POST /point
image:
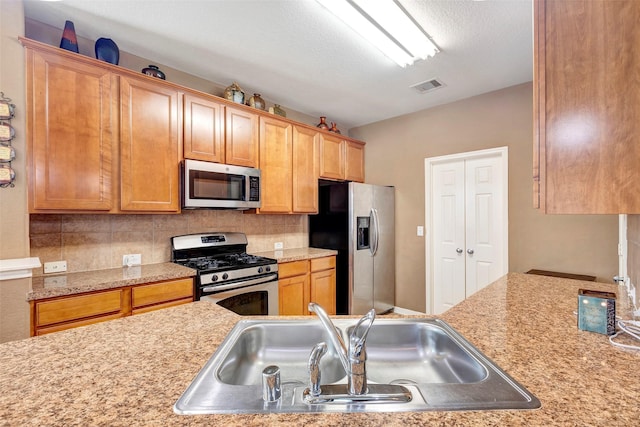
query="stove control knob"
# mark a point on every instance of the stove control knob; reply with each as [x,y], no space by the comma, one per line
[260,270]
[214,277]
[225,276]
[268,268]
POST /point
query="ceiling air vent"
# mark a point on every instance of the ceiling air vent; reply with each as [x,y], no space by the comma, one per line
[428,86]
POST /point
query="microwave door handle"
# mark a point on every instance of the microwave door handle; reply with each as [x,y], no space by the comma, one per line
[241,284]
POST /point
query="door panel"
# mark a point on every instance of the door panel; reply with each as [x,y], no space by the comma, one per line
[484,222]
[448,235]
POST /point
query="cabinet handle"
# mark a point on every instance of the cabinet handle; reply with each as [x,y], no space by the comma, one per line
[459,250]
[470,251]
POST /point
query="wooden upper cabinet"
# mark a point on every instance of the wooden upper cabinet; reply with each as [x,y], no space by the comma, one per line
[275,165]
[241,130]
[354,161]
[203,129]
[586,106]
[331,157]
[341,159]
[305,170]
[150,146]
[70,112]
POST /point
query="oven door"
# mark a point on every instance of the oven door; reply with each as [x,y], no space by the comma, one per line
[253,297]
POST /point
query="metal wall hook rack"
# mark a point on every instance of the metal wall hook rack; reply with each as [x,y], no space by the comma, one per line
[7,133]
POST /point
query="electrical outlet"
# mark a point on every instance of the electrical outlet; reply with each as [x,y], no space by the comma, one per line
[131,260]
[55,267]
[420,230]
[278,245]
[55,282]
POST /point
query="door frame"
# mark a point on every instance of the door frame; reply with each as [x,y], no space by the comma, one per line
[429,162]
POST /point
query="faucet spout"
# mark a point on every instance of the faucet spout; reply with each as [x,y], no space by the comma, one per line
[353,360]
[334,336]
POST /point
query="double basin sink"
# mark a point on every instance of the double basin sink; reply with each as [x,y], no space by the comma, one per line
[439,367]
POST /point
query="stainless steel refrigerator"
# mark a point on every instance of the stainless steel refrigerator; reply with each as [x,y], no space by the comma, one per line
[358,221]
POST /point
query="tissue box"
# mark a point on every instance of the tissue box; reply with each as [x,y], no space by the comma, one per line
[597,311]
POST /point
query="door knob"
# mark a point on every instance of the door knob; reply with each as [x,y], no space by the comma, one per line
[470,251]
[459,250]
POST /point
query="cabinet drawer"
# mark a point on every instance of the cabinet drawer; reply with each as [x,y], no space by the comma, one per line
[294,268]
[79,307]
[318,264]
[157,293]
[75,324]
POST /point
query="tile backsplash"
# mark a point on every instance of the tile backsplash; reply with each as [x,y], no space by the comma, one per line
[95,242]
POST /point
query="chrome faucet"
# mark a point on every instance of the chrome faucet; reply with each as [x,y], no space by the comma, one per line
[354,358]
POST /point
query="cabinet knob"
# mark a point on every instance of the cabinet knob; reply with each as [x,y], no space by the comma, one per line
[459,250]
[470,251]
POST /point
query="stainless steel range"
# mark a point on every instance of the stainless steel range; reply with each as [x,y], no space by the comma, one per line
[245,284]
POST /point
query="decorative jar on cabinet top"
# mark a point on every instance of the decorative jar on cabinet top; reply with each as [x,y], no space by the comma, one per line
[323,123]
[256,101]
[153,71]
[234,93]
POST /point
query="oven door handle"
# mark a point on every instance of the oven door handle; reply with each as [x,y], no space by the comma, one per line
[241,284]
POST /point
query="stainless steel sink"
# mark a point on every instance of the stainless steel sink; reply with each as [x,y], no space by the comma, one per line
[286,344]
[440,368]
[419,352]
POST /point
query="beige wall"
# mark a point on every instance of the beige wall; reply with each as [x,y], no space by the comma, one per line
[395,153]
[14,220]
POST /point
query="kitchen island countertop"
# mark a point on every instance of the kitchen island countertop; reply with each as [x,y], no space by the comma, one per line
[130,371]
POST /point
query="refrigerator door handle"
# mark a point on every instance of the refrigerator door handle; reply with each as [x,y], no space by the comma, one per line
[375,232]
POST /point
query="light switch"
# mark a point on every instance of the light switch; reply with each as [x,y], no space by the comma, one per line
[420,230]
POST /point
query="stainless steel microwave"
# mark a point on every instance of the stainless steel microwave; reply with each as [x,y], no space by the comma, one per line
[214,185]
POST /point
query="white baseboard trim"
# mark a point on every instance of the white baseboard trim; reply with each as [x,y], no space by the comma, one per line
[400,310]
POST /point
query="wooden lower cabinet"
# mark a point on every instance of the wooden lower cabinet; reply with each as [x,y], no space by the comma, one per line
[66,312]
[301,282]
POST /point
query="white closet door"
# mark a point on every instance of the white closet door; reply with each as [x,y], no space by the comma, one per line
[469,224]
[448,234]
[484,219]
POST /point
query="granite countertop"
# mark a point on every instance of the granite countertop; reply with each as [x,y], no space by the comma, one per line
[74,283]
[297,254]
[130,371]
[50,286]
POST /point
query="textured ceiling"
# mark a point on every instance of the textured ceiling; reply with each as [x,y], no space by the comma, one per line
[297,53]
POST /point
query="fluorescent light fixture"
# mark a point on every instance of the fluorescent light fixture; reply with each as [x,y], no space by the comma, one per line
[387,26]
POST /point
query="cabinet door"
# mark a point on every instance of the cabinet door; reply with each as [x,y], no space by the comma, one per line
[331,157]
[354,161]
[78,310]
[305,170]
[151,146]
[70,138]
[293,295]
[241,130]
[323,289]
[203,129]
[275,165]
[586,112]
